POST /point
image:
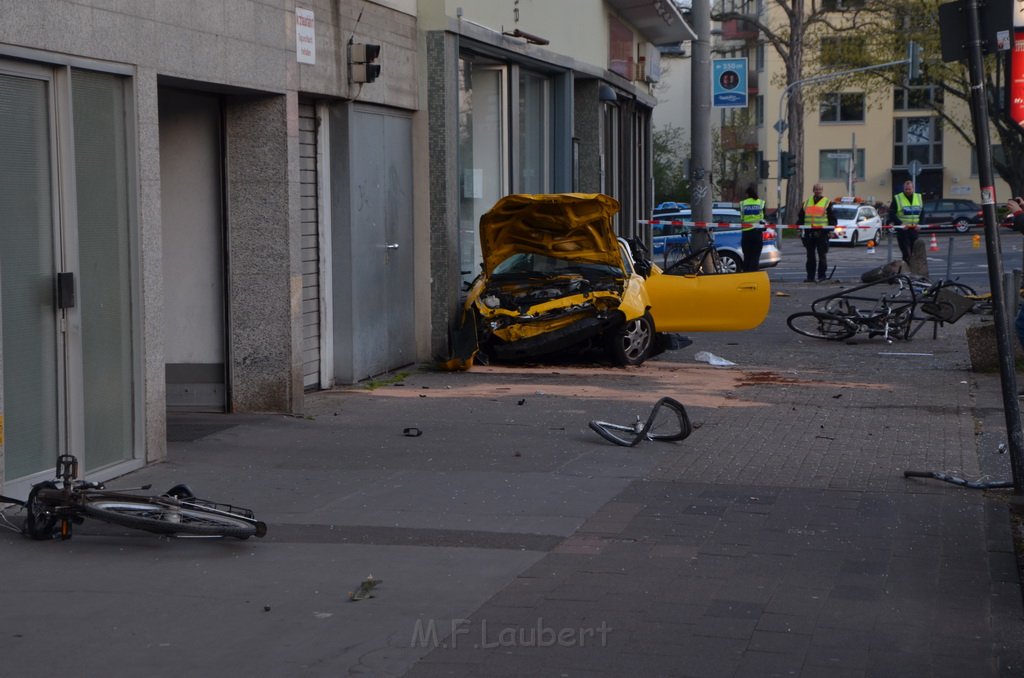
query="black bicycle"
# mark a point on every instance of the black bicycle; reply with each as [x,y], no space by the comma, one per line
[54,506]
[887,308]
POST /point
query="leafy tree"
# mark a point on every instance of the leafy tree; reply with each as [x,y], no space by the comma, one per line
[791,28]
[670,151]
[918,20]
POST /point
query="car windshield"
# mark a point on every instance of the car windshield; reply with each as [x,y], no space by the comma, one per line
[843,212]
[543,265]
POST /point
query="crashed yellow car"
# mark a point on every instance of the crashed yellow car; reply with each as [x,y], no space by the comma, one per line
[555,277]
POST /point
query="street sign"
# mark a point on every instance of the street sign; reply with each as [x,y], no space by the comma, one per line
[780,126]
[1016,107]
[994,16]
[914,168]
[729,83]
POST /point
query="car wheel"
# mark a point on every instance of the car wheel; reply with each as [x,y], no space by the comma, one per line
[633,342]
[962,225]
[730,262]
[853,239]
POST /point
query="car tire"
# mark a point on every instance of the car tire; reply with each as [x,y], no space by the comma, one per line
[961,225]
[853,239]
[730,262]
[633,342]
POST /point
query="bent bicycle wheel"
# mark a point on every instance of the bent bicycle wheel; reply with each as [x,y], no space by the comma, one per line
[162,518]
[821,325]
[619,434]
[668,421]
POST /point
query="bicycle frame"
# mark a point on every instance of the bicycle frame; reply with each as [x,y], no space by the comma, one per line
[889,314]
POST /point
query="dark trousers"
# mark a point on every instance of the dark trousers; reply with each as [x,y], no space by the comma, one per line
[905,238]
[751,242]
[816,243]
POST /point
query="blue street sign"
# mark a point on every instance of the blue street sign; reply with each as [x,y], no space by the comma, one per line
[729,83]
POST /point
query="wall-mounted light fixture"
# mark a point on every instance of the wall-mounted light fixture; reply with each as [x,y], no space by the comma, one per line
[360,62]
[606,93]
[528,37]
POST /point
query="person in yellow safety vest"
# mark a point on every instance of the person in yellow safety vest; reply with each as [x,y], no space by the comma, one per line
[816,221]
[752,234]
[905,214]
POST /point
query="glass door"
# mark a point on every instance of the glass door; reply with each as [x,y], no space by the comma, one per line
[66,280]
[32,348]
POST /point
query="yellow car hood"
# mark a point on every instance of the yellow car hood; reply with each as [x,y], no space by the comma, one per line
[572,226]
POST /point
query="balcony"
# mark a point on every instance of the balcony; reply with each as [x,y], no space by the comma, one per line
[738,29]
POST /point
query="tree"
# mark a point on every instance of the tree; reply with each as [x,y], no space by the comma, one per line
[671,182]
[918,20]
[790,27]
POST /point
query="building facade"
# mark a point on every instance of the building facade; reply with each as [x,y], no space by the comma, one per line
[195,204]
[534,97]
[220,206]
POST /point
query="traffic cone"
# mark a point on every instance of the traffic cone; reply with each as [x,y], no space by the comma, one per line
[871,246]
[933,246]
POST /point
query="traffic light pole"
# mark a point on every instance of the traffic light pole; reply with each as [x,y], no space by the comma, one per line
[1004,342]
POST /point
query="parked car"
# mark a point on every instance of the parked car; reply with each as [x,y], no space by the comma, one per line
[666,237]
[947,213]
[669,208]
[856,222]
[555,277]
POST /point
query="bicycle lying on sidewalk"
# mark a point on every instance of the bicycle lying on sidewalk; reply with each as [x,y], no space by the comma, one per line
[54,506]
[890,312]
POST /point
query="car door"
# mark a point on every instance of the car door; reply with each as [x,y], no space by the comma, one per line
[708,303]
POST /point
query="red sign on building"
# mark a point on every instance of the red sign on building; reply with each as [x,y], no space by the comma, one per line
[1017,77]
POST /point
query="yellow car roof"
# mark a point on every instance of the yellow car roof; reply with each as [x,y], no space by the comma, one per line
[573,226]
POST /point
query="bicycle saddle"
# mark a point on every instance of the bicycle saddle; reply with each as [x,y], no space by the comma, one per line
[180,491]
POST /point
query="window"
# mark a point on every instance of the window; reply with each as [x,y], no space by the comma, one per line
[916,98]
[759,110]
[834,164]
[846,51]
[841,5]
[842,107]
[759,57]
[917,139]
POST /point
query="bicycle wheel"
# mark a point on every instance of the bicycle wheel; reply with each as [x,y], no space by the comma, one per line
[821,325]
[153,515]
[668,421]
[40,519]
[619,434]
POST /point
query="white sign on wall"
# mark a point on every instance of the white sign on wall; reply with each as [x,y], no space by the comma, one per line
[305,36]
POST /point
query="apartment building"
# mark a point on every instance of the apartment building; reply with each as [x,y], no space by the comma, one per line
[220,206]
[861,142]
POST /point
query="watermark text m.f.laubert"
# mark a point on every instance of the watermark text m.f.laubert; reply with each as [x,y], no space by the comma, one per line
[450,634]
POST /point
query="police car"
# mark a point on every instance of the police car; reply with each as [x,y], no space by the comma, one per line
[670,232]
[856,222]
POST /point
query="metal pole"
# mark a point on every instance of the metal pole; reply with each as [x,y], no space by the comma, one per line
[700,115]
[949,259]
[1007,368]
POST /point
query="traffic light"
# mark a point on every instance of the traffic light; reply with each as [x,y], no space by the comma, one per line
[787,165]
[913,60]
[360,59]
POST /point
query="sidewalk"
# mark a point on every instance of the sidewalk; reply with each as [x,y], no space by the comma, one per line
[780,538]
